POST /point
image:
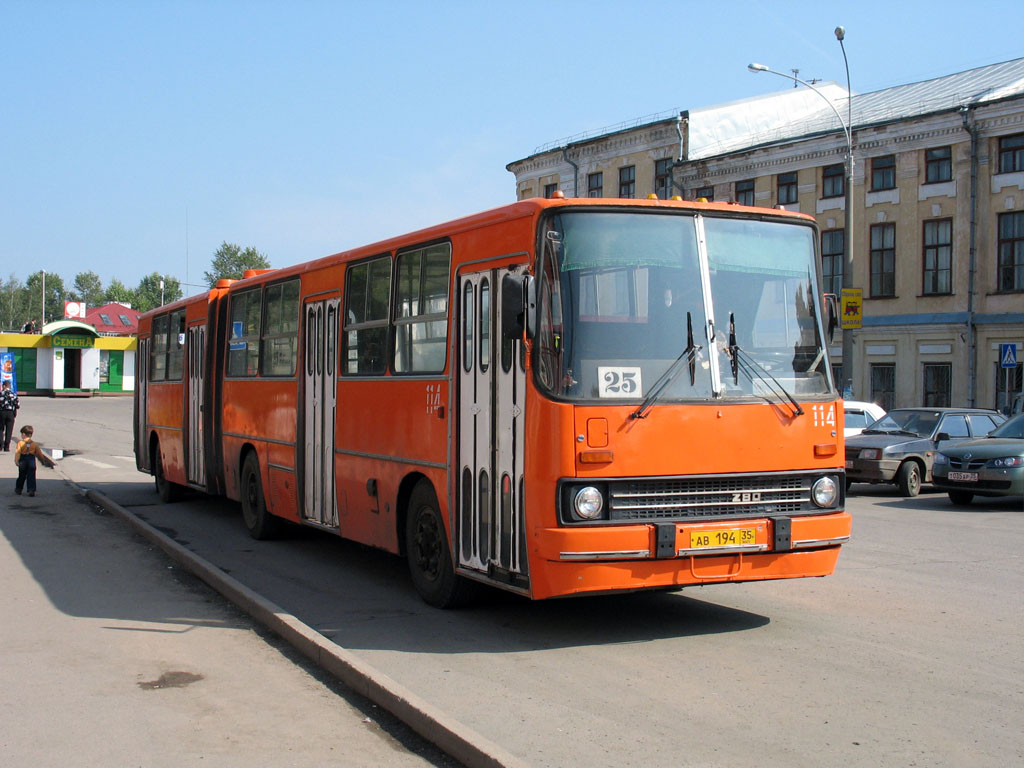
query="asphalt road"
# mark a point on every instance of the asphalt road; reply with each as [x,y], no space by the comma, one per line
[910,655]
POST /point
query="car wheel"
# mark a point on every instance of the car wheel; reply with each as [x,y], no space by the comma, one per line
[908,478]
[961,498]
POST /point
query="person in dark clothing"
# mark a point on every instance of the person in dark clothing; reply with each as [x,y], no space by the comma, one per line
[9,405]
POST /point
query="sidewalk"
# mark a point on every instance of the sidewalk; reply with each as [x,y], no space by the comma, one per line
[113,656]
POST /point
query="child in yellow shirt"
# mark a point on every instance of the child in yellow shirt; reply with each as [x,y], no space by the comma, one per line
[25,456]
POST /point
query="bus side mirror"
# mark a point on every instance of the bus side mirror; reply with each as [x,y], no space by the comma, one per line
[518,306]
[832,307]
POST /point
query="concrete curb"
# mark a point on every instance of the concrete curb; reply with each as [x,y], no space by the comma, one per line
[461,742]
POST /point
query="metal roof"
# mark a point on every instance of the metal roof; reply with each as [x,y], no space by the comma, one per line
[797,113]
[725,128]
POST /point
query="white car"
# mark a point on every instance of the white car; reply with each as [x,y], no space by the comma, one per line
[859,415]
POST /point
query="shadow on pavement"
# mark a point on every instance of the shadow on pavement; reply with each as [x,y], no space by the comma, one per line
[362,598]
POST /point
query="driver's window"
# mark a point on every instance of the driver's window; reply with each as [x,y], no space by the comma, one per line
[955,426]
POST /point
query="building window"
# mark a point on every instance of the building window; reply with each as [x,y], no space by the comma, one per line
[421,309]
[1012,377]
[883,173]
[1011,153]
[244,338]
[707,193]
[367,301]
[832,181]
[832,242]
[550,189]
[938,256]
[595,184]
[745,192]
[786,188]
[627,181]
[938,165]
[883,260]
[663,178]
[125,320]
[937,378]
[1011,251]
[280,329]
[105,318]
[883,385]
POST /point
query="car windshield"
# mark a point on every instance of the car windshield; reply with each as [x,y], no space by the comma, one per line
[1014,428]
[920,423]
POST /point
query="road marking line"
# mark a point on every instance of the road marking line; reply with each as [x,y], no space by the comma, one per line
[93,463]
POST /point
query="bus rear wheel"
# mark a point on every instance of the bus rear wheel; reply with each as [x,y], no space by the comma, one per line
[426,549]
[258,521]
[165,489]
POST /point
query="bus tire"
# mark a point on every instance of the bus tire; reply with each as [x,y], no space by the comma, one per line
[961,498]
[908,478]
[167,491]
[428,554]
[258,521]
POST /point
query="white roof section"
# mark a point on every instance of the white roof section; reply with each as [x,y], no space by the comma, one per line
[738,125]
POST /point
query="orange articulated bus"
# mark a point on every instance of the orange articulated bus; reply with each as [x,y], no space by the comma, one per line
[554,397]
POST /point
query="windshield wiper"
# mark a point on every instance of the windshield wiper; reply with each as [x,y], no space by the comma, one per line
[741,361]
[688,355]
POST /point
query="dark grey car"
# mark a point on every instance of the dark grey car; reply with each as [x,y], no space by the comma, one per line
[900,447]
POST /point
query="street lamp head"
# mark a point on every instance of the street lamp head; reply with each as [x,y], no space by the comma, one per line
[840,33]
[757,67]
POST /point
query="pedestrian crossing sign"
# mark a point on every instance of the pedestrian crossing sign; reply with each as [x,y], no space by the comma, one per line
[1008,355]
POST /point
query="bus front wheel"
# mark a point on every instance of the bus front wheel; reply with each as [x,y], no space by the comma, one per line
[258,521]
[426,548]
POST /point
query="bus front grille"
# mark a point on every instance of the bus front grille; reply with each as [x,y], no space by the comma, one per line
[710,497]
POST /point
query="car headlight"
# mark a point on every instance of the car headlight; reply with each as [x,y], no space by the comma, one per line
[870,453]
[588,503]
[941,458]
[824,492]
[1008,461]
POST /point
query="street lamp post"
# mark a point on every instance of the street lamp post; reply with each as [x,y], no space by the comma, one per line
[847,125]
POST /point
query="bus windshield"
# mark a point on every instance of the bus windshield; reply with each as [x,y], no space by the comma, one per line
[691,307]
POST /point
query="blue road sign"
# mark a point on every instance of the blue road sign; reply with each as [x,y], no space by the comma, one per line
[1008,355]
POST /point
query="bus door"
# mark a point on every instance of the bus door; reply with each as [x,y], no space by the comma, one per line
[196,347]
[141,404]
[490,529]
[319,404]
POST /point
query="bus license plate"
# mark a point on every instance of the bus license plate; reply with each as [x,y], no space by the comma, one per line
[736,537]
[964,477]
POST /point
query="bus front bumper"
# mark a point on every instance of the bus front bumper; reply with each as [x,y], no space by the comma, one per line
[665,555]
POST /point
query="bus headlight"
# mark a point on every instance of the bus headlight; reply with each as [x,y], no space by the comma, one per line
[824,492]
[588,503]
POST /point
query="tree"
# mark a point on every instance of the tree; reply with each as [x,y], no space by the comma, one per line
[230,261]
[13,303]
[117,291]
[88,288]
[54,296]
[149,296]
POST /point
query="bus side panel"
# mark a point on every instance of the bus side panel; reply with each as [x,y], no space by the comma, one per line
[164,402]
[260,414]
[387,429]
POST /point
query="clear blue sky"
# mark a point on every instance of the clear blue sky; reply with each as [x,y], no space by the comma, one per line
[137,136]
